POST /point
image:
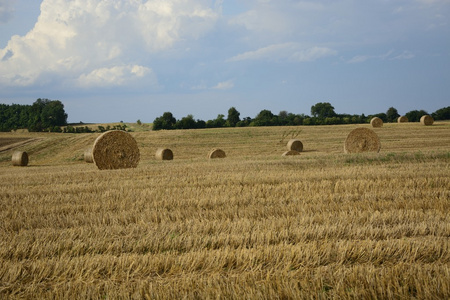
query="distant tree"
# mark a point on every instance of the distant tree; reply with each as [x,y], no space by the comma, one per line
[201,124]
[217,122]
[265,118]
[187,122]
[45,114]
[392,115]
[442,114]
[415,115]
[53,114]
[322,110]
[233,117]
[244,122]
[166,121]
[283,118]
[283,114]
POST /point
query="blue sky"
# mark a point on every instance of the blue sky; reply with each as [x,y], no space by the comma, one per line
[113,60]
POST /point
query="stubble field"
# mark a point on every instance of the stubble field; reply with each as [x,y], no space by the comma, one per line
[254,225]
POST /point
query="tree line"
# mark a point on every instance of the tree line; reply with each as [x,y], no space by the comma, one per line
[322,113]
[49,115]
[42,115]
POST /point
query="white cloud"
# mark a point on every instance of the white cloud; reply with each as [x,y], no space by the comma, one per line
[388,55]
[405,55]
[312,54]
[93,39]
[359,59]
[224,85]
[287,51]
[114,76]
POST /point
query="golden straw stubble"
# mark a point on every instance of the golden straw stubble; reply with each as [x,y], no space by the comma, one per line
[20,159]
[426,120]
[362,140]
[164,154]
[295,144]
[290,153]
[115,149]
[376,122]
[216,153]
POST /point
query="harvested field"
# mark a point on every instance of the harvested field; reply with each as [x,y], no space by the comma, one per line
[7,143]
[252,226]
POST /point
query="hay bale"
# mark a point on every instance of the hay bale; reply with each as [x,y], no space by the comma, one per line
[362,140]
[216,153]
[426,120]
[164,154]
[88,157]
[115,149]
[290,153]
[20,159]
[295,144]
[376,122]
[402,119]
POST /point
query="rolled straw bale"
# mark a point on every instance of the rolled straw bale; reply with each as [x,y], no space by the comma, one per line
[88,157]
[216,153]
[290,153]
[362,140]
[20,159]
[376,122]
[115,149]
[426,120]
[402,119]
[295,144]
[164,154]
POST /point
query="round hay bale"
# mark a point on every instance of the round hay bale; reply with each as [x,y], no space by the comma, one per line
[376,122]
[115,149]
[164,154]
[426,120]
[402,119]
[216,153]
[362,140]
[20,159]
[88,157]
[290,153]
[294,144]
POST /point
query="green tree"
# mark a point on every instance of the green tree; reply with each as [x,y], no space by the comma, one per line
[166,121]
[45,114]
[217,122]
[415,115]
[442,114]
[53,115]
[392,115]
[322,110]
[187,122]
[233,117]
[265,118]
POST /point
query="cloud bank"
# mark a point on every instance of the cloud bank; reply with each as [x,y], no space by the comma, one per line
[100,43]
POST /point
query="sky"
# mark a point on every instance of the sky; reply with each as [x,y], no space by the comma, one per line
[117,60]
